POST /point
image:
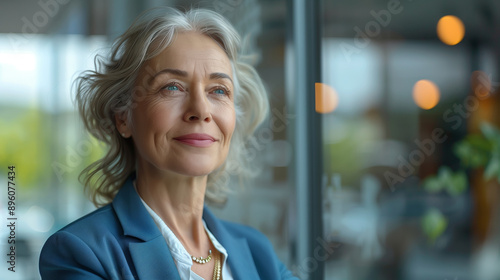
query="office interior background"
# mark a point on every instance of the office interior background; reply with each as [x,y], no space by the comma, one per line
[380,158]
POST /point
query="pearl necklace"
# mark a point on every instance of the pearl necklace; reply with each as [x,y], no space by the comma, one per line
[217,266]
[202,260]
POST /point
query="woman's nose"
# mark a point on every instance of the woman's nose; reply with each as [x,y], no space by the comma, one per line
[198,107]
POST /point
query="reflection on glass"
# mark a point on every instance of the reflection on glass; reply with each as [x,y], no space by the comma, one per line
[326,98]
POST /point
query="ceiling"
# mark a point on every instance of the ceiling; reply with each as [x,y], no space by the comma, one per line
[415,21]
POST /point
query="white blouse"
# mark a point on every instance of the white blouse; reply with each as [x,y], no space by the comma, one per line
[181,257]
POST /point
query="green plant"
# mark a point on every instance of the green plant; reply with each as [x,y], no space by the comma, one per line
[455,183]
[482,150]
[434,223]
[474,151]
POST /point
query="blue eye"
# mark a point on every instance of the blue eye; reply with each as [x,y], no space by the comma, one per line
[172,87]
[220,91]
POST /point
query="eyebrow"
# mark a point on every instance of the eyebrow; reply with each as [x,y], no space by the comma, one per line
[177,72]
[218,75]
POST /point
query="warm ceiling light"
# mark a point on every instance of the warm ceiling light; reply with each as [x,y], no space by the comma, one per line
[450,30]
[425,94]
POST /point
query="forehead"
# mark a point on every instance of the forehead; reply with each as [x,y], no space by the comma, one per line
[190,50]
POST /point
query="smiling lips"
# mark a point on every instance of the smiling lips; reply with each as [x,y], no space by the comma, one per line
[196,139]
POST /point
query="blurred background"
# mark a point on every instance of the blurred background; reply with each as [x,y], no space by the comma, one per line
[380,158]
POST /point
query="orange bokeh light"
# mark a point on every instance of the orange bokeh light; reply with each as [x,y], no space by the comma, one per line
[326,98]
[450,30]
[426,94]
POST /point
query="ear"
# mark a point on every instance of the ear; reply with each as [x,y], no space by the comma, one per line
[121,124]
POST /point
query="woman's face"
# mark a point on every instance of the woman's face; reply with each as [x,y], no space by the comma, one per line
[184,121]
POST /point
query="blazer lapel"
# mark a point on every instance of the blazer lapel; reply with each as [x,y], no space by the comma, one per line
[150,254]
[152,260]
[240,258]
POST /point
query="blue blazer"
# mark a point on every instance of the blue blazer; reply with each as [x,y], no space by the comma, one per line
[121,241]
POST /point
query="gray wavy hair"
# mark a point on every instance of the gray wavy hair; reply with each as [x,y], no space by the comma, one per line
[109,89]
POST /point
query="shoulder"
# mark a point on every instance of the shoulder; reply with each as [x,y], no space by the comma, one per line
[85,231]
[71,247]
[264,257]
[76,251]
[256,240]
[98,228]
[244,231]
[95,223]
[253,237]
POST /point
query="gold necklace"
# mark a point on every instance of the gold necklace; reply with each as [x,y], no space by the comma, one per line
[217,268]
[202,260]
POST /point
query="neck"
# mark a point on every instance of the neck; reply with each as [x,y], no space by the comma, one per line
[178,200]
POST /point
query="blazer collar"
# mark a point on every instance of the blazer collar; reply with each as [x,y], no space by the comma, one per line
[151,255]
[240,258]
[132,214]
[152,258]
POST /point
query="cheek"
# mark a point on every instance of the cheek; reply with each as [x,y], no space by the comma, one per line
[225,118]
[230,124]
[153,119]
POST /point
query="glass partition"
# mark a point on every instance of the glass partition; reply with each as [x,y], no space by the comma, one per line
[409,104]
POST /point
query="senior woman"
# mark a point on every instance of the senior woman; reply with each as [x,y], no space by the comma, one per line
[181,103]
